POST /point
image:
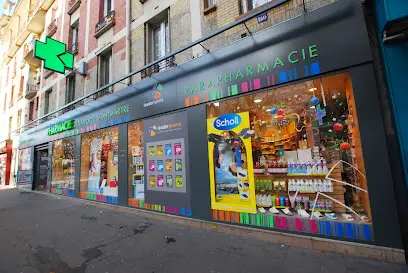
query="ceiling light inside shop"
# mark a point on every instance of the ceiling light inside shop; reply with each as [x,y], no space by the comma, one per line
[257,100]
[216,104]
[268,110]
[312,89]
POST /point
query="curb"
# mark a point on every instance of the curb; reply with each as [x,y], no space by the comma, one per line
[379,253]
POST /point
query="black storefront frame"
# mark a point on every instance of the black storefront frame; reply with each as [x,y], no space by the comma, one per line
[386,226]
[374,148]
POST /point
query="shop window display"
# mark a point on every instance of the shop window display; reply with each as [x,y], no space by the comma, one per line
[63,167]
[136,164]
[99,165]
[304,160]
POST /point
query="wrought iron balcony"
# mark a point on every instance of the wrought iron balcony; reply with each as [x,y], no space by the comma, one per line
[107,22]
[159,67]
[74,48]
[73,5]
[103,92]
[52,28]
[31,89]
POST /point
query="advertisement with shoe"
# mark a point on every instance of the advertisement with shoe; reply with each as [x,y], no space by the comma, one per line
[230,158]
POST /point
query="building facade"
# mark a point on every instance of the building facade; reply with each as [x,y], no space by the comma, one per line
[251,113]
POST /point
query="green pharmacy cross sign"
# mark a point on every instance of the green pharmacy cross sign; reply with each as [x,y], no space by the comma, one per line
[54,54]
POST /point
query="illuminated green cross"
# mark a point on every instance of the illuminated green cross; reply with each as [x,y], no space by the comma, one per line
[54,55]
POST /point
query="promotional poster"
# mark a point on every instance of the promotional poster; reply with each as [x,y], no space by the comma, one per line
[231,167]
[95,165]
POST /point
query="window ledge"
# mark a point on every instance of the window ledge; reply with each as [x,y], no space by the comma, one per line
[209,9]
[272,3]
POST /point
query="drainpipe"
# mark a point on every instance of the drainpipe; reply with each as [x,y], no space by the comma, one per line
[128,41]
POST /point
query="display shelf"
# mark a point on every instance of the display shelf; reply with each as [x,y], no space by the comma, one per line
[278,207]
[306,175]
[270,174]
[141,174]
[321,210]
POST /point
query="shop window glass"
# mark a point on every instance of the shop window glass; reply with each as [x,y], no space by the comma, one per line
[99,165]
[136,163]
[289,151]
[63,165]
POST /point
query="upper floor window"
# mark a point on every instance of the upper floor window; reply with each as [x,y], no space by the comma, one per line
[73,37]
[70,92]
[108,7]
[209,3]
[161,40]
[248,5]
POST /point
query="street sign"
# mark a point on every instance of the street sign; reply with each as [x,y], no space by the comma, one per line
[54,54]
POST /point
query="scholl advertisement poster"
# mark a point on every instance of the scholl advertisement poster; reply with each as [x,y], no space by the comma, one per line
[230,158]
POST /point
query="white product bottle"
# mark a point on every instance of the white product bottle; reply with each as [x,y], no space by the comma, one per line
[329,186]
[319,186]
[324,186]
[298,185]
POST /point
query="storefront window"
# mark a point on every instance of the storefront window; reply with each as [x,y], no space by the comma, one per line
[136,164]
[99,165]
[63,167]
[290,153]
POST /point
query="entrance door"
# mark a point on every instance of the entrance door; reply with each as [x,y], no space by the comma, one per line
[40,169]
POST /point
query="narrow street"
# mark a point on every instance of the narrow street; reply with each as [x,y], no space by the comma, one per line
[41,233]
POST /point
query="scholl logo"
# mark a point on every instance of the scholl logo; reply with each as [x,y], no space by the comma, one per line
[227,122]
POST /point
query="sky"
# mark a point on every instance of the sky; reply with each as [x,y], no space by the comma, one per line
[1,6]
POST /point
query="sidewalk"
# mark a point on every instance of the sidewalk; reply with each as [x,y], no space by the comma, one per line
[42,233]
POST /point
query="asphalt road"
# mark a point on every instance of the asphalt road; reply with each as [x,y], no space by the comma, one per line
[40,233]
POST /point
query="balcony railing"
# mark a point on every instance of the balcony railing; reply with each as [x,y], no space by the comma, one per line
[47,73]
[73,5]
[107,22]
[52,28]
[103,92]
[74,48]
[31,88]
[163,63]
[159,67]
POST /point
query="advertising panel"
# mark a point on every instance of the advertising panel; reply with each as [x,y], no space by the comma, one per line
[230,159]
[166,153]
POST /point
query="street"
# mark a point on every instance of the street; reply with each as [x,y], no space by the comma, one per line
[41,233]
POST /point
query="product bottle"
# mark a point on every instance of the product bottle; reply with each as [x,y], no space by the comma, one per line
[325,169]
[306,202]
[319,186]
[287,203]
[319,167]
[290,168]
[308,168]
[282,200]
[304,168]
[329,186]
[324,186]
[314,168]
[298,168]
[277,202]
[290,185]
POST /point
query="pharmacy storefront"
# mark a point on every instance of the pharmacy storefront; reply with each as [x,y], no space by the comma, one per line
[284,133]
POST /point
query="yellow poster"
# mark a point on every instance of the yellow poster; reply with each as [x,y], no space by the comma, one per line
[231,167]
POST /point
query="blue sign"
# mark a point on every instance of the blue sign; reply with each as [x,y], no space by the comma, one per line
[262,18]
[227,122]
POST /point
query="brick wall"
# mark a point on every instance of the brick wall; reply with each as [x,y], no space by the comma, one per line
[120,15]
[228,11]
[93,20]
